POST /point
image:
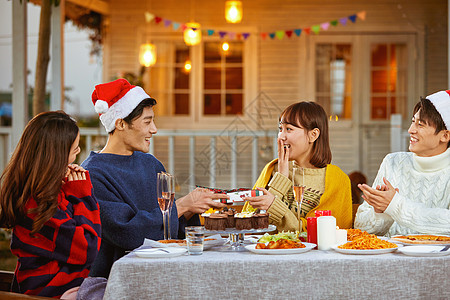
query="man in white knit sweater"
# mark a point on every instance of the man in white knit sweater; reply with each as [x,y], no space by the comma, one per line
[411,193]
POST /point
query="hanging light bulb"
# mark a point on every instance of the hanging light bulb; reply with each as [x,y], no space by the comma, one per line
[187,66]
[147,55]
[192,37]
[225,46]
[233,11]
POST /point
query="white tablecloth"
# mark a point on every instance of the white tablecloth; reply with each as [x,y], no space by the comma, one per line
[311,275]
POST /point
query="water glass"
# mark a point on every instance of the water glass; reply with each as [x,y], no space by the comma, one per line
[195,236]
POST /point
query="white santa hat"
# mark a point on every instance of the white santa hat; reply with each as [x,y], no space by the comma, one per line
[441,101]
[116,100]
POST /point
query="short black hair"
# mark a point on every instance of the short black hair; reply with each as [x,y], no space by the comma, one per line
[429,114]
[137,111]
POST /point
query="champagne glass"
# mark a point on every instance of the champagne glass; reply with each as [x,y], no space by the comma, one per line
[171,189]
[298,187]
[162,192]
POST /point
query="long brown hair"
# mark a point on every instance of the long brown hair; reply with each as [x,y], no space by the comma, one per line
[37,168]
[310,115]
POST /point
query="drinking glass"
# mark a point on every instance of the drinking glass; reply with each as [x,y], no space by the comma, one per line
[163,194]
[298,187]
[171,189]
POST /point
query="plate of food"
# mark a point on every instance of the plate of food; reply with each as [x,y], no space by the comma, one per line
[281,246]
[421,239]
[160,252]
[365,244]
[425,250]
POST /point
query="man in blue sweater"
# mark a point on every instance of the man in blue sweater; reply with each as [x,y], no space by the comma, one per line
[123,175]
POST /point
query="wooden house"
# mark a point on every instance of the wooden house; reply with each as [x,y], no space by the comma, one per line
[362,60]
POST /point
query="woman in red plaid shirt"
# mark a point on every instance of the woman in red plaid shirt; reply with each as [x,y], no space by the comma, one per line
[50,206]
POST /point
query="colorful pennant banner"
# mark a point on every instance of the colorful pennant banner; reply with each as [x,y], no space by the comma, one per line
[279,34]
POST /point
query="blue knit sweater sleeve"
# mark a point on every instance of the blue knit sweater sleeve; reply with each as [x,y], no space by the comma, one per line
[125,187]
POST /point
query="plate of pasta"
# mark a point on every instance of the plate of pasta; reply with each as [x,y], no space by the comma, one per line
[364,243]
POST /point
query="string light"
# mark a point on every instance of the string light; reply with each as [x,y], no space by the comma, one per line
[187,66]
[225,46]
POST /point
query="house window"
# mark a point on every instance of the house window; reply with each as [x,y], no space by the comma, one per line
[333,79]
[170,79]
[221,84]
[388,80]
[222,78]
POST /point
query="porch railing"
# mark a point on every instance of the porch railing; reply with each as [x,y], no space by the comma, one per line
[91,133]
[398,143]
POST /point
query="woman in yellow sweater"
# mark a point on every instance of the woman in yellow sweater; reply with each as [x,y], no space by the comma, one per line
[303,142]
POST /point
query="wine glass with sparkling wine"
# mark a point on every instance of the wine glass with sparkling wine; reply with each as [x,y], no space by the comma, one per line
[298,187]
[163,194]
[171,188]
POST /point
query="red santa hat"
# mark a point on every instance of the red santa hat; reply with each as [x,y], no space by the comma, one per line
[116,100]
[441,101]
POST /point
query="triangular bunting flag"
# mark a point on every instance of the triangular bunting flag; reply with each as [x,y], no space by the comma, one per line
[352,18]
[315,29]
[362,15]
[244,35]
[148,17]
[279,34]
[325,26]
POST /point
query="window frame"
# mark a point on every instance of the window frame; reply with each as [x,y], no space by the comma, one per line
[196,119]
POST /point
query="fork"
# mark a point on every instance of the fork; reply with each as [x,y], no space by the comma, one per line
[154,250]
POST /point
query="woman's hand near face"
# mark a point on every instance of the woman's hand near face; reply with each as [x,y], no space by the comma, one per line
[261,202]
[283,158]
[75,172]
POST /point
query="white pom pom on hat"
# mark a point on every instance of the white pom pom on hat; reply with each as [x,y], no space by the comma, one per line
[441,101]
[101,106]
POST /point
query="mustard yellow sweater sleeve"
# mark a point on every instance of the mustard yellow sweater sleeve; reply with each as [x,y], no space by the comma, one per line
[337,198]
[279,213]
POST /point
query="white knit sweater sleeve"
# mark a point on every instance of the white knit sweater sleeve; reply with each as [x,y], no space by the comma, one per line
[418,217]
[366,217]
[422,204]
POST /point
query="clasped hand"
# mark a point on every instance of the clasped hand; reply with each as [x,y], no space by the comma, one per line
[380,197]
[75,172]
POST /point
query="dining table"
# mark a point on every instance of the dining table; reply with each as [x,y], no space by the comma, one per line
[315,274]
